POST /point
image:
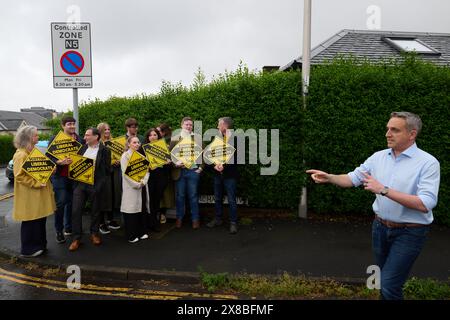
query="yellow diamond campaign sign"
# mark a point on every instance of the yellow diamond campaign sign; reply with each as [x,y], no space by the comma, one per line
[186,151]
[82,169]
[218,152]
[157,153]
[38,166]
[63,145]
[117,147]
[137,166]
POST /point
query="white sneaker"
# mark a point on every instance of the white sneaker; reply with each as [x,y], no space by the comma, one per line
[36,254]
[145,236]
[163,219]
[134,240]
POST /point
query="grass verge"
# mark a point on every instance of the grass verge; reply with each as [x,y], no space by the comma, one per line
[287,286]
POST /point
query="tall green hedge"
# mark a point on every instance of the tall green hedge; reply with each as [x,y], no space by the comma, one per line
[254,101]
[348,107]
[7,148]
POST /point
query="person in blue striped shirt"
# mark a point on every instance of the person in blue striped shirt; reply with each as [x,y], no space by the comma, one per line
[405,181]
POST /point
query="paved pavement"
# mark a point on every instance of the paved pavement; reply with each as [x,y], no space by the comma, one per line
[5,185]
[6,188]
[266,246]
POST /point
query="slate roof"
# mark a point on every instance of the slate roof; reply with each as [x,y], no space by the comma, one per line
[11,121]
[370,44]
[43,112]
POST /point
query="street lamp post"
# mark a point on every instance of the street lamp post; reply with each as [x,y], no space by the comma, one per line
[306,60]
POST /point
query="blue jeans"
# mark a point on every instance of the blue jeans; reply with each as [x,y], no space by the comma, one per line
[187,185]
[230,187]
[395,251]
[63,188]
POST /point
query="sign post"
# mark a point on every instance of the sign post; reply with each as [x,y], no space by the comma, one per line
[75,110]
[72,60]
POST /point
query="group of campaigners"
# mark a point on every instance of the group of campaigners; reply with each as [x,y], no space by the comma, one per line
[142,204]
[404,179]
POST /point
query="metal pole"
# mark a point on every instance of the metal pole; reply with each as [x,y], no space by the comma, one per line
[306,57]
[306,60]
[75,110]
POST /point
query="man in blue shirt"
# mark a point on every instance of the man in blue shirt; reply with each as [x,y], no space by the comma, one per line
[405,180]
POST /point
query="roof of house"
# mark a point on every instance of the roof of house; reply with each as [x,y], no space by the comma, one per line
[371,44]
[43,112]
[11,121]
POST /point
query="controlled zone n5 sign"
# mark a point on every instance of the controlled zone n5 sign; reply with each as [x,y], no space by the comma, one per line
[71,52]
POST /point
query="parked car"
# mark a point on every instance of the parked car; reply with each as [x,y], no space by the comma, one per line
[42,146]
[9,172]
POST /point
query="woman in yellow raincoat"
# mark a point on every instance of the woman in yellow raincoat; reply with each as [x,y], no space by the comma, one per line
[33,201]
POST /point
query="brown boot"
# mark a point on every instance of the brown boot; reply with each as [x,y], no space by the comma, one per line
[74,245]
[96,240]
[195,224]
[178,223]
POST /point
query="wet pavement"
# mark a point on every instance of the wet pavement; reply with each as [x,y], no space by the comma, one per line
[265,246]
[5,185]
[31,282]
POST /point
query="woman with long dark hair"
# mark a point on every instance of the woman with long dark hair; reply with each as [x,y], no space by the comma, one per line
[168,198]
[157,183]
[112,192]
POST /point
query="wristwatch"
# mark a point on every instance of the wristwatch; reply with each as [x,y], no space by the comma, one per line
[384,191]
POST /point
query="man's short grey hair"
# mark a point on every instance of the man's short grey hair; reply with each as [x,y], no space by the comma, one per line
[413,121]
[228,122]
[24,137]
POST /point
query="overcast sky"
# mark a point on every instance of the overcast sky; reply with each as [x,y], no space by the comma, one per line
[136,44]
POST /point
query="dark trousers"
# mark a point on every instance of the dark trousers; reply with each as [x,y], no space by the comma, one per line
[134,227]
[81,195]
[106,216]
[157,184]
[112,196]
[229,185]
[63,188]
[33,236]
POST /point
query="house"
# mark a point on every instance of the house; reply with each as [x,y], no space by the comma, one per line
[377,46]
[43,112]
[11,121]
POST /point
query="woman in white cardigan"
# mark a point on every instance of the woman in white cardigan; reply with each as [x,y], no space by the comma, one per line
[131,206]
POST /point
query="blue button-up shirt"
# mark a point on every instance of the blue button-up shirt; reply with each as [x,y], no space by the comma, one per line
[414,172]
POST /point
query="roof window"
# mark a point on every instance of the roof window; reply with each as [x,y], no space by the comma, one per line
[410,45]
